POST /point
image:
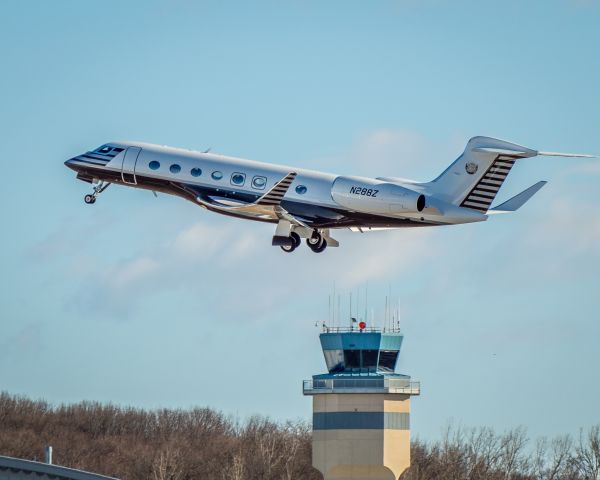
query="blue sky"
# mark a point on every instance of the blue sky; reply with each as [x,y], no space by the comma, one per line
[155,302]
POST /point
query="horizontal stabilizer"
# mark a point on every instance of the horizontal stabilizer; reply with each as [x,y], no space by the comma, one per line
[517,152]
[558,154]
[519,200]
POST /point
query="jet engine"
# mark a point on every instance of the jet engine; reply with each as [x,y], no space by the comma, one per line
[373,196]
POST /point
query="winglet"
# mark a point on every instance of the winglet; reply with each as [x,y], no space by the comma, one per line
[519,200]
[275,195]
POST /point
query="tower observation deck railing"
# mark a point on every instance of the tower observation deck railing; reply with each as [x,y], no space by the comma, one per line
[361,385]
[356,329]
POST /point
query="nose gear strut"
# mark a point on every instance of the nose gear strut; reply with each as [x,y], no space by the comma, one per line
[98,189]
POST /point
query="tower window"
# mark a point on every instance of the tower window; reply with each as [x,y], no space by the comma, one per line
[387,360]
[351,359]
[334,360]
[369,358]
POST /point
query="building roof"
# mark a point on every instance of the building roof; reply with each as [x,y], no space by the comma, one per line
[52,471]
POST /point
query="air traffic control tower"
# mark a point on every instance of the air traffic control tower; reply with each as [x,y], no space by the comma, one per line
[361,408]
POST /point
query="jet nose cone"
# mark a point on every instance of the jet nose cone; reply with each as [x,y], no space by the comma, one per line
[70,163]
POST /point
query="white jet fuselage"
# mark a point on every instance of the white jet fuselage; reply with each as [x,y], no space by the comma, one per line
[306,203]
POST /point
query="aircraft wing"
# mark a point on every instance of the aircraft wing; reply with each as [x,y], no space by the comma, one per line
[267,207]
[275,195]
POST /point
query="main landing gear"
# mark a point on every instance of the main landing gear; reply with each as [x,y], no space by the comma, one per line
[98,189]
[317,243]
[295,243]
[289,237]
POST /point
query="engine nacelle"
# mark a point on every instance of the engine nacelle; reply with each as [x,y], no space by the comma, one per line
[373,196]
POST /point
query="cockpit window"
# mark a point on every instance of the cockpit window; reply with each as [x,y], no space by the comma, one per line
[103,149]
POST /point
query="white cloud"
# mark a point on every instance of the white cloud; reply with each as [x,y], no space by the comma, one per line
[237,258]
[134,271]
[568,229]
[199,241]
[592,167]
[394,153]
[391,152]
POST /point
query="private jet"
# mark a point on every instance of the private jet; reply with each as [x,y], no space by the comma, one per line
[309,204]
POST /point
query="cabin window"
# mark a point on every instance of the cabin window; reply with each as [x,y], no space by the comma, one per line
[238,179]
[196,172]
[259,182]
[154,165]
[301,189]
[216,175]
[175,168]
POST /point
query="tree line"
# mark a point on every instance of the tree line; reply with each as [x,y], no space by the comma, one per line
[201,443]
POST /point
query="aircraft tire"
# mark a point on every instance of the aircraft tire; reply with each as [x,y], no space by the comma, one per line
[287,248]
[320,248]
[89,199]
[296,239]
[315,241]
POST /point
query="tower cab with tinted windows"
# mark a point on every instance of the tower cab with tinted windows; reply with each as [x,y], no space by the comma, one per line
[361,407]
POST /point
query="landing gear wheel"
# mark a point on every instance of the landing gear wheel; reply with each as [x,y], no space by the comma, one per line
[89,199]
[295,238]
[315,240]
[316,243]
[319,248]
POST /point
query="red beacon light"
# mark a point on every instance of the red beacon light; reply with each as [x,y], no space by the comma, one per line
[362,326]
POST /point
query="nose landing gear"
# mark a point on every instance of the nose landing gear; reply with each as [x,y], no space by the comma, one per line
[98,189]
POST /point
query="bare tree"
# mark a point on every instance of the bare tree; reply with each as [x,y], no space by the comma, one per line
[588,454]
[174,444]
[512,459]
[167,464]
[235,469]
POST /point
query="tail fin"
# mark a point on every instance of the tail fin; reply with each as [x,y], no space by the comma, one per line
[474,179]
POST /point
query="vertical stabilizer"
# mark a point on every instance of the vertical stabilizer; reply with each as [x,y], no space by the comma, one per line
[474,179]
